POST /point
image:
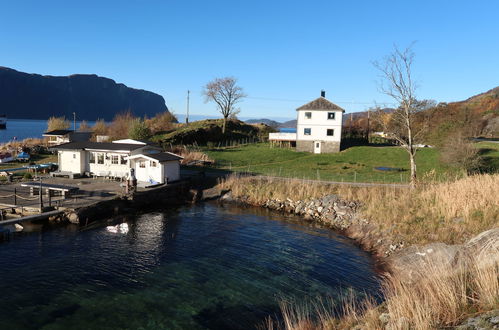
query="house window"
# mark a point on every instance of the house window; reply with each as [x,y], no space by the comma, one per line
[307,131]
[142,164]
[331,115]
[123,160]
[308,115]
[74,156]
[100,158]
[330,132]
[92,158]
[114,159]
[152,164]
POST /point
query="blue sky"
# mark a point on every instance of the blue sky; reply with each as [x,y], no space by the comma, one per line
[282,52]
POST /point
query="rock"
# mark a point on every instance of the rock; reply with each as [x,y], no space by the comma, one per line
[485,246]
[413,262]
[384,318]
[319,209]
[73,218]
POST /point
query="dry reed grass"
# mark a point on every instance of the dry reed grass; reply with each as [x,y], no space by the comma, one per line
[191,155]
[442,299]
[449,212]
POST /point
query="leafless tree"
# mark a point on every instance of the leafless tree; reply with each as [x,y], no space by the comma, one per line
[407,123]
[225,93]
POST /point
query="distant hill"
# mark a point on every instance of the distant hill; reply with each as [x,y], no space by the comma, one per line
[33,96]
[269,122]
[288,124]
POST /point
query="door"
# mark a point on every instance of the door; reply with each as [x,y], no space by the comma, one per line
[317,147]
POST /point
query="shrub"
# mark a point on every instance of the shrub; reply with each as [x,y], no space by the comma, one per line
[138,130]
[460,153]
[27,176]
[57,123]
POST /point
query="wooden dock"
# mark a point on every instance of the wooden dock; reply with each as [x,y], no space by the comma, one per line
[33,217]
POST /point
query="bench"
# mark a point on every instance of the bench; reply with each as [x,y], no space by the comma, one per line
[50,189]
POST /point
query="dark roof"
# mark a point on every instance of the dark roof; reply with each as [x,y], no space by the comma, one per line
[97,146]
[58,132]
[164,156]
[320,103]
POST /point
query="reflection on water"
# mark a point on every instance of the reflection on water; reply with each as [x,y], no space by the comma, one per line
[193,268]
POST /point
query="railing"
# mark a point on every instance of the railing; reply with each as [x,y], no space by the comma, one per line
[282,136]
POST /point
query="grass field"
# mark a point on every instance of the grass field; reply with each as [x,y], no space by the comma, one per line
[353,164]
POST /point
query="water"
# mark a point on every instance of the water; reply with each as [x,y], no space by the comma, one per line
[287,130]
[21,129]
[200,267]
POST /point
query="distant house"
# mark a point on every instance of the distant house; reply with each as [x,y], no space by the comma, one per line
[318,127]
[115,159]
[64,136]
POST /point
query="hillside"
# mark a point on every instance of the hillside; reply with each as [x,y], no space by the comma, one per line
[476,116]
[208,131]
[33,96]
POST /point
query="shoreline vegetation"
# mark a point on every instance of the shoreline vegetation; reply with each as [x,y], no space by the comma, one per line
[442,257]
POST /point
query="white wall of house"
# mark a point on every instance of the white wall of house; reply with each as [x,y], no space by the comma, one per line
[319,124]
[147,170]
[113,164]
[72,161]
[172,170]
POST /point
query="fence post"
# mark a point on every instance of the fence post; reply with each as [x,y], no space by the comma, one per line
[15,196]
[41,196]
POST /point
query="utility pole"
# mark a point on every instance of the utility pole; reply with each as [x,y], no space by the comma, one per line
[187,117]
[368,123]
[74,121]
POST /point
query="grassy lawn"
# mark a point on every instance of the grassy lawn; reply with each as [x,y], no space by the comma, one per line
[353,164]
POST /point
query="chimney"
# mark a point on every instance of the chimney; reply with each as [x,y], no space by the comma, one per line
[323,93]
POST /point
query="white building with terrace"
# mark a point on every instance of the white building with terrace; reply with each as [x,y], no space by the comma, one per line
[318,128]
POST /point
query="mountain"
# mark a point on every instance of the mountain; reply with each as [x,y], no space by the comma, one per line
[268,122]
[33,96]
[288,124]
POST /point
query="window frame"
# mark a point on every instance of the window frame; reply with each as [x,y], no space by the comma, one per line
[100,158]
[331,113]
[123,160]
[91,158]
[142,164]
[308,115]
[327,132]
[115,159]
[305,131]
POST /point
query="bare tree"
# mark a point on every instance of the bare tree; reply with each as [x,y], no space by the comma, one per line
[407,123]
[225,93]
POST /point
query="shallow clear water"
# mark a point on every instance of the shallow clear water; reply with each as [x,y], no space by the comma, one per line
[196,267]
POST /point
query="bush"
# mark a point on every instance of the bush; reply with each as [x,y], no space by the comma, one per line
[27,176]
[138,130]
[460,153]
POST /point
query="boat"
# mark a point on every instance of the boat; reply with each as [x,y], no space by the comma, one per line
[3,121]
[6,157]
[23,157]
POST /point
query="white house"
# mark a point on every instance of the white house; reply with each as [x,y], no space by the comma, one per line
[64,136]
[318,127]
[115,159]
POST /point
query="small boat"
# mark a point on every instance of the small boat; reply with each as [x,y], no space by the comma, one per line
[6,157]
[3,121]
[23,157]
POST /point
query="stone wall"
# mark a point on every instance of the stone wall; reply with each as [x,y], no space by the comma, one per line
[305,146]
[326,146]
